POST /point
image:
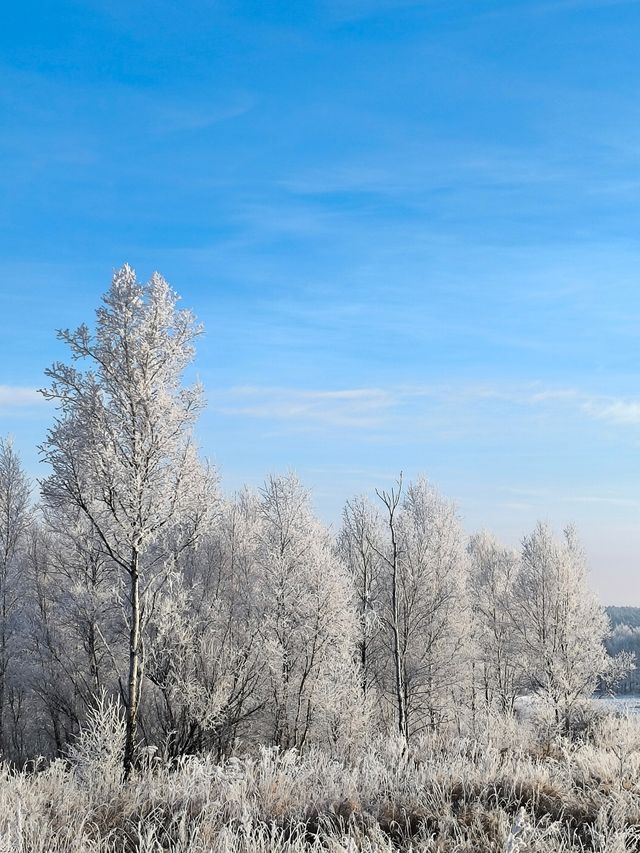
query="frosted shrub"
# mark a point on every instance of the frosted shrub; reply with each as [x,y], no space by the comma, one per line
[503,730]
[619,734]
[578,724]
[96,755]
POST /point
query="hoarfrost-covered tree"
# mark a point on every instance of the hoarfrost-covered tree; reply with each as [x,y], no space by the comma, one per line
[14,523]
[121,448]
[433,607]
[86,595]
[207,657]
[72,639]
[493,571]
[360,547]
[423,610]
[49,660]
[391,612]
[561,624]
[309,626]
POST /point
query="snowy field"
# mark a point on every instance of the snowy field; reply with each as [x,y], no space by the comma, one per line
[525,705]
[620,704]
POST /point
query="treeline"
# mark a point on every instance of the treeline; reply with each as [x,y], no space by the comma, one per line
[217,622]
[625,637]
[623,616]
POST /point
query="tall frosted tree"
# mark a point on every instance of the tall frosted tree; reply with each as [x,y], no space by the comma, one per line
[433,606]
[309,625]
[497,667]
[423,609]
[121,448]
[14,522]
[561,624]
[392,616]
[360,547]
[207,658]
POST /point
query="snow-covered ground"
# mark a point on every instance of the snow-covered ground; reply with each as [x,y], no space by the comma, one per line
[621,704]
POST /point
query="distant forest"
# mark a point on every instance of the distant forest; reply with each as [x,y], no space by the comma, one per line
[629,616]
[625,636]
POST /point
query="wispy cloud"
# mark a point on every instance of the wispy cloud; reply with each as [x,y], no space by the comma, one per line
[603,499]
[369,408]
[537,498]
[375,408]
[516,506]
[354,407]
[18,396]
[614,411]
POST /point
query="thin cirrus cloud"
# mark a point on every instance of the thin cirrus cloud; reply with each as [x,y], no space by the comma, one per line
[18,397]
[538,499]
[355,407]
[376,407]
[614,411]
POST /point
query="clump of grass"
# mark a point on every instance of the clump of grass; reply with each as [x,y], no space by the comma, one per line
[448,794]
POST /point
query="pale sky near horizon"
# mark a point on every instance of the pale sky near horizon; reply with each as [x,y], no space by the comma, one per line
[411,230]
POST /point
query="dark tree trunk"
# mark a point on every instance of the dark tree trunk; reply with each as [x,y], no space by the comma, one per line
[133,685]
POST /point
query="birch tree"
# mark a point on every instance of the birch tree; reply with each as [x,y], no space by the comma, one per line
[423,612]
[14,522]
[121,447]
[561,624]
[87,599]
[433,607]
[207,659]
[393,617]
[493,572]
[360,547]
[309,628]
[51,661]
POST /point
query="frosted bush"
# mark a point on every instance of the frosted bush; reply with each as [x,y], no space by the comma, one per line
[97,753]
[619,735]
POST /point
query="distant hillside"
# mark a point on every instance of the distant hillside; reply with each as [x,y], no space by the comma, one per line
[624,616]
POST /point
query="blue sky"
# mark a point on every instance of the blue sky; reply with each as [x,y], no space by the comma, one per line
[410,229]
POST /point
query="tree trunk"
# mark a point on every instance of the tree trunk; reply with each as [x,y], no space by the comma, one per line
[133,686]
[3,654]
[397,655]
[363,644]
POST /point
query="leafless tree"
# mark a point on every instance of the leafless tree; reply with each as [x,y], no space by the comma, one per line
[121,448]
